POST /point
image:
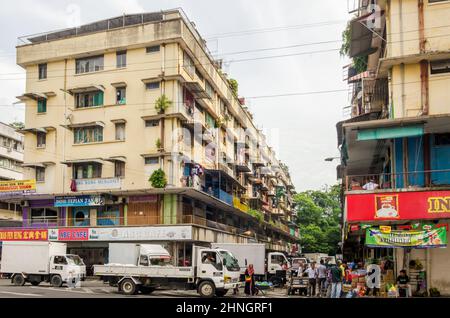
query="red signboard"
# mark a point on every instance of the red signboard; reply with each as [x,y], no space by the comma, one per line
[410,205]
[23,235]
[73,234]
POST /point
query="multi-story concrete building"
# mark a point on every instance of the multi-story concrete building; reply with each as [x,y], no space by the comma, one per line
[11,159]
[396,145]
[110,103]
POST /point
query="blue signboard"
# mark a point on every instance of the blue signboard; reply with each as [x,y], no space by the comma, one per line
[81,200]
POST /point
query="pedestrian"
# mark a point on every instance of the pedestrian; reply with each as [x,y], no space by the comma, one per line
[250,288]
[371,185]
[312,276]
[336,280]
[322,277]
[403,286]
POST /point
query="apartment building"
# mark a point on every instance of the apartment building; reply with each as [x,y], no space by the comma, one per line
[395,147]
[11,159]
[110,103]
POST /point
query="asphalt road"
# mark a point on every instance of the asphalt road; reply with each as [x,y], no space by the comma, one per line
[97,289]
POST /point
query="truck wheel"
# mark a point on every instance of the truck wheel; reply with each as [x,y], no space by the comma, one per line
[221,292]
[18,280]
[56,281]
[128,287]
[206,289]
[146,290]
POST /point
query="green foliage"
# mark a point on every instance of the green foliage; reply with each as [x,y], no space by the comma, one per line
[158,179]
[318,217]
[162,103]
[158,143]
[18,125]
[234,86]
[256,214]
[359,62]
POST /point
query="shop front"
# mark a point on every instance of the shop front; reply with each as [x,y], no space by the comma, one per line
[406,228]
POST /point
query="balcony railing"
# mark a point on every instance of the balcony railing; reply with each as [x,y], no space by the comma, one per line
[404,180]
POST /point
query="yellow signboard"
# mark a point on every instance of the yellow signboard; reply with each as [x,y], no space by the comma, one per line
[18,186]
[385,229]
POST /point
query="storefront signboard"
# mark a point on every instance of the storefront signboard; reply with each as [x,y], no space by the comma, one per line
[23,235]
[13,187]
[98,184]
[81,200]
[153,233]
[72,234]
[408,205]
[143,198]
[412,239]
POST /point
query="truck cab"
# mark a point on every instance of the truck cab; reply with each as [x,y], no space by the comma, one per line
[69,268]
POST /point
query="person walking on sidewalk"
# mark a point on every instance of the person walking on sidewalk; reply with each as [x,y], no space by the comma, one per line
[322,278]
[336,281]
[312,276]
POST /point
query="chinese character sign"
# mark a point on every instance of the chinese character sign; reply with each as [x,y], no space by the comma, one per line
[23,235]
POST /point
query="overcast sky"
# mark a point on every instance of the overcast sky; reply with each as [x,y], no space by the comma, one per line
[301,127]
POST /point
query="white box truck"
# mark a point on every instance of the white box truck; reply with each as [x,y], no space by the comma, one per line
[145,267]
[37,262]
[255,253]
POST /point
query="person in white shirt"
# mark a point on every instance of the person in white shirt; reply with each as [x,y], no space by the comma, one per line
[312,275]
[371,185]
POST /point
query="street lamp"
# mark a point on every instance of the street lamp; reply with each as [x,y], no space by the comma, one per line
[331,158]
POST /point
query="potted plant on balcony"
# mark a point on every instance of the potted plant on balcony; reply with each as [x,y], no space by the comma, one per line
[219,122]
[158,145]
[162,103]
[158,179]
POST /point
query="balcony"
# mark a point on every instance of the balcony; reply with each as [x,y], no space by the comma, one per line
[239,205]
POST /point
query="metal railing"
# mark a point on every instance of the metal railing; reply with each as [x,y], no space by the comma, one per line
[404,180]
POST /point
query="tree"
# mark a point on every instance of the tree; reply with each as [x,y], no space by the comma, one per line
[158,179]
[318,217]
[234,86]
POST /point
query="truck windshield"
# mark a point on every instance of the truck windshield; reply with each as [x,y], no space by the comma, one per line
[74,260]
[232,263]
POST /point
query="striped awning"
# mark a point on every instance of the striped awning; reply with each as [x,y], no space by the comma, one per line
[360,76]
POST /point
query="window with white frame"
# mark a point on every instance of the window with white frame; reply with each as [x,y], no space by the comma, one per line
[152,85]
[44,215]
[89,99]
[153,49]
[42,71]
[87,170]
[89,64]
[41,139]
[152,160]
[119,169]
[84,135]
[152,123]
[121,59]
[121,95]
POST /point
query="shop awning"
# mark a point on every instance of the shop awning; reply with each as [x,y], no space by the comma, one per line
[85,89]
[94,160]
[390,132]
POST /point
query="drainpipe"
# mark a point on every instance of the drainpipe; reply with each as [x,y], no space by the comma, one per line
[424,77]
[421,27]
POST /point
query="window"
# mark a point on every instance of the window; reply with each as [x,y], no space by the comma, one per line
[209,89]
[121,59]
[44,215]
[121,94]
[199,75]
[89,99]
[152,123]
[442,139]
[89,64]
[143,260]
[90,134]
[87,170]
[120,131]
[152,160]
[41,139]
[152,49]
[42,105]
[439,67]
[60,260]
[188,64]
[153,85]
[42,71]
[40,174]
[119,169]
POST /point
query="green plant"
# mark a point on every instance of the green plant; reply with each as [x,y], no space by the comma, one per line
[359,62]
[158,143]
[162,103]
[219,122]
[158,179]
[256,214]
[234,86]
